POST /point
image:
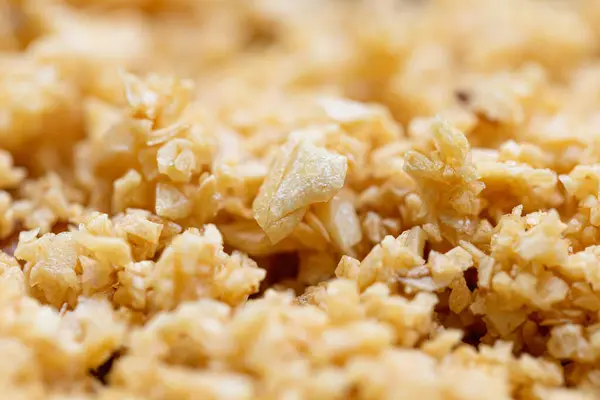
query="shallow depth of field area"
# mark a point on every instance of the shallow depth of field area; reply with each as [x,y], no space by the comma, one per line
[300,199]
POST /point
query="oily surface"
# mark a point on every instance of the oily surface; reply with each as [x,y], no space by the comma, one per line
[281,199]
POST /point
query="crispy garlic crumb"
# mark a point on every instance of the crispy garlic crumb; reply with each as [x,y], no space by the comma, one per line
[284,199]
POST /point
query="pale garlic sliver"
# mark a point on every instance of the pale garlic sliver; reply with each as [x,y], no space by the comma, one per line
[301,174]
[341,221]
[176,160]
[171,202]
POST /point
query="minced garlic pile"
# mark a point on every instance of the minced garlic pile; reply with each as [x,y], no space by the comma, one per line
[300,199]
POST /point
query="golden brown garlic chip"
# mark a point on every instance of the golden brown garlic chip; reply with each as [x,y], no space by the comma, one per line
[301,174]
[285,199]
